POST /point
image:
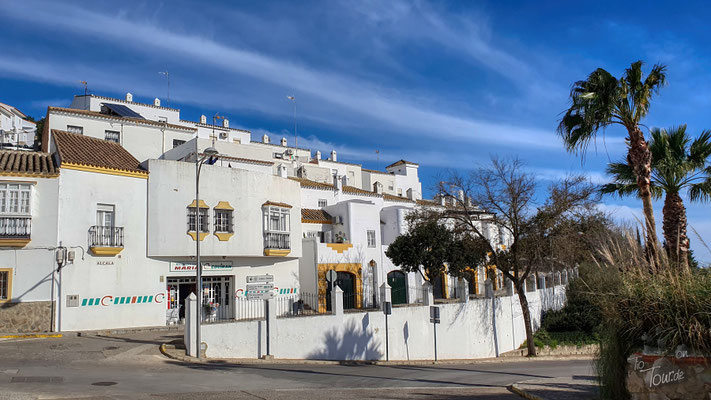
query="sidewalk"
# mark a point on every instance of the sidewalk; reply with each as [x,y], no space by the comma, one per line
[571,388]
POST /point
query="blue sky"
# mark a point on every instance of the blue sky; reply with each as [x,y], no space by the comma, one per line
[445,84]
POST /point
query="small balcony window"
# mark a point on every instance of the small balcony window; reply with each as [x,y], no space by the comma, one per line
[15,213]
[75,129]
[112,136]
[277,228]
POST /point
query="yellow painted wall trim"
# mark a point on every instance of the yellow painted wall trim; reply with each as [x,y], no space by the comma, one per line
[339,247]
[9,284]
[224,236]
[105,251]
[104,170]
[223,205]
[277,252]
[352,268]
[194,235]
[202,204]
[14,242]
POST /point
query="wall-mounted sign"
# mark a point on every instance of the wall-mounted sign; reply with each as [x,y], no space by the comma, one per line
[206,266]
[260,278]
[260,291]
[119,300]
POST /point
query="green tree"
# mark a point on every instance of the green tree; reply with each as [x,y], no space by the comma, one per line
[424,249]
[603,100]
[678,164]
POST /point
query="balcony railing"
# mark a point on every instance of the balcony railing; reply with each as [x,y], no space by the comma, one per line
[106,236]
[15,227]
[273,240]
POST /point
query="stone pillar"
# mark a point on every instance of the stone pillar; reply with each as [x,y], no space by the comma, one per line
[337,301]
[488,289]
[463,289]
[510,287]
[385,294]
[190,325]
[427,296]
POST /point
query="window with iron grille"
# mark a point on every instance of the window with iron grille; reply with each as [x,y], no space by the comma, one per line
[371,238]
[223,221]
[204,222]
[75,129]
[112,136]
[322,203]
[4,285]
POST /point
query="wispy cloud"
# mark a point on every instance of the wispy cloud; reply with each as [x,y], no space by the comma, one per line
[360,97]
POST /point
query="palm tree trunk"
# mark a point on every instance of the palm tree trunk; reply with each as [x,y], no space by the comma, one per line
[640,159]
[521,291]
[674,227]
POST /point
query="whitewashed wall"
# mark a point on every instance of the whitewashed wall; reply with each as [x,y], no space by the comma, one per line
[466,332]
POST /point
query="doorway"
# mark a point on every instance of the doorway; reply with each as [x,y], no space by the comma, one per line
[347,282]
[216,291]
[398,287]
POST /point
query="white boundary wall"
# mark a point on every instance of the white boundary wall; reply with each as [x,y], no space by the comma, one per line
[465,332]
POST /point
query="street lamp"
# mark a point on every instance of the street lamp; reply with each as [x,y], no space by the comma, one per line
[207,155]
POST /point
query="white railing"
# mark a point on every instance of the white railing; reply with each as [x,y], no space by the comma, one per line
[15,227]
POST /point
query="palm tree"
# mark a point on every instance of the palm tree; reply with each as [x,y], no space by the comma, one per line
[677,164]
[603,100]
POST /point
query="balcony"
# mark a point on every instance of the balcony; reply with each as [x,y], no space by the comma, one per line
[106,240]
[276,244]
[15,231]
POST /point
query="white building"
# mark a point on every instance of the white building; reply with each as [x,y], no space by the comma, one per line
[121,196]
[16,131]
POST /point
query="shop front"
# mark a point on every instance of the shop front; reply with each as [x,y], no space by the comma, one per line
[218,304]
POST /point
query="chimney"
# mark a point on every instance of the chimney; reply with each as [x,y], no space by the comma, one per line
[225,123]
[203,119]
[318,155]
[283,141]
[333,155]
[156,102]
[265,138]
[410,194]
[281,171]
[129,97]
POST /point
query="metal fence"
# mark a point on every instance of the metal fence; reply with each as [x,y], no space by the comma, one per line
[275,240]
[106,236]
[302,304]
[15,227]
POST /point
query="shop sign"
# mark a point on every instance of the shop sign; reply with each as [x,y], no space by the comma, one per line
[206,266]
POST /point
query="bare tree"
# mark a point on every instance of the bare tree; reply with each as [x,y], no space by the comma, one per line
[507,191]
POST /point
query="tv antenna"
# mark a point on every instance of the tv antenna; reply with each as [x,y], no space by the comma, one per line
[296,136]
[167,78]
[86,90]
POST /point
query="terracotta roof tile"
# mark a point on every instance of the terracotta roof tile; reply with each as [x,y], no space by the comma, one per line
[84,150]
[277,204]
[401,162]
[27,163]
[372,171]
[307,183]
[117,118]
[431,203]
[391,197]
[355,190]
[315,216]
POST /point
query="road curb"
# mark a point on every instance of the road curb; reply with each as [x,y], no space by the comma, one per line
[166,347]
[517,390]
[32,336]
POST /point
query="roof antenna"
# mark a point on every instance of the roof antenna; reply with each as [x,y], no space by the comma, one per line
[86,90]
[377,157]
[296,136]
[167,78]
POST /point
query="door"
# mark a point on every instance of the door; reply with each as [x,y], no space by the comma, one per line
[346,281]
[398,288]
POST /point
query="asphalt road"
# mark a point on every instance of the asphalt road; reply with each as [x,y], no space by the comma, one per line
[131,367]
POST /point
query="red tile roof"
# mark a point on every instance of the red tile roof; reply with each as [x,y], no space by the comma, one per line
[27,163]
[307,183]
[84,150]
[315,216]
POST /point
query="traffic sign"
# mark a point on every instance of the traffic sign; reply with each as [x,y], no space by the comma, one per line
[434,314]
[331,276]
[260,278]
[260,291]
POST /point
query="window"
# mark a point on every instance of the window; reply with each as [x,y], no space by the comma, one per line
[112,136]
[177,142]
[399,191]
[15,198]
[322,203]
[371,238]
[223,220]
[277,219]
[204,222]
[105,215]
[5,285]
[75,129]
[391,187]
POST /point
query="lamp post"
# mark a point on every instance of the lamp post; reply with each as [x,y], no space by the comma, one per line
[208,153]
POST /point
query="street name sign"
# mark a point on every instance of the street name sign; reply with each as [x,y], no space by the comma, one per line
[260,291]
[260,278]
